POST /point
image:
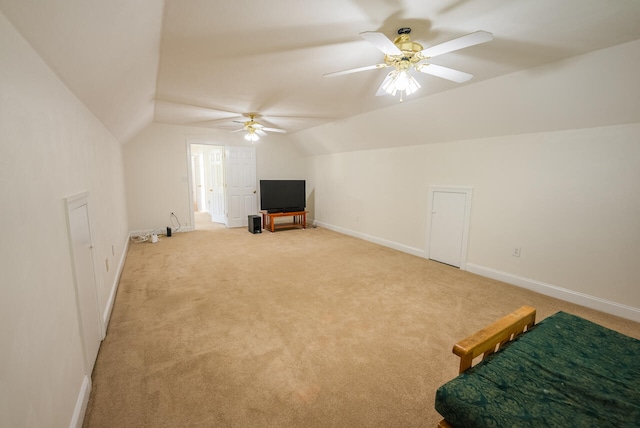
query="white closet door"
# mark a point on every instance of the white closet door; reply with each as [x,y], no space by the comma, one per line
[448,230]
[85,279]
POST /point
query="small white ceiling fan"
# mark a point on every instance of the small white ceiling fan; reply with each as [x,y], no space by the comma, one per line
[254,129]
[404,55]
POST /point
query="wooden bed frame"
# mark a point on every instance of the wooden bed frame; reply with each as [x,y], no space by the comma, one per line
[488,340]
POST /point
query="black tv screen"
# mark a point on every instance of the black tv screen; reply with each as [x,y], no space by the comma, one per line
[282,195]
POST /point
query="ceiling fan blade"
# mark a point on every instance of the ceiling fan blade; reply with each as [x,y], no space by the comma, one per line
[382,42]
[355,70]
[455,44]
[444,72]
[261,133]
[180,113]
[381,92]
[237,130]
[282,131]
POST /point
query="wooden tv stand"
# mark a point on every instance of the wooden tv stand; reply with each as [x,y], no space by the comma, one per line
[299,220]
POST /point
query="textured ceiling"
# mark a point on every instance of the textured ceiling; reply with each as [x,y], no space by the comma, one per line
[206,62]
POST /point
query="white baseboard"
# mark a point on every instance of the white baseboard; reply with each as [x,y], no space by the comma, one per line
[578,298]
[400,247]
[81,403]
[106,316]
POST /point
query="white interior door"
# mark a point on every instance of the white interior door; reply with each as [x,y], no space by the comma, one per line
[449,220]
[198,181]
[91,330]
[216,169]
[240,163]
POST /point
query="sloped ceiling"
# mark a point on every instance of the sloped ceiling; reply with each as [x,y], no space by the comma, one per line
[206,62]
[107,52]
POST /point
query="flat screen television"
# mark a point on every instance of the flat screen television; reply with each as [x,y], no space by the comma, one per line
[282,195]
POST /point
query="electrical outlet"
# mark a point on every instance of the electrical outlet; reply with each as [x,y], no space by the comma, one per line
[516,252]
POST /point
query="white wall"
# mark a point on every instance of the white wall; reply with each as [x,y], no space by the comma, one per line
[569,199]
[51,147]
[567,195]
[156,169]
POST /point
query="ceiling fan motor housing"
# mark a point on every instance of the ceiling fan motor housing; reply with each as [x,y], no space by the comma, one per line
[406,45]
[409,50]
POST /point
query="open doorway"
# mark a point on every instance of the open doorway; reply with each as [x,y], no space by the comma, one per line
[222,183]
[207,186]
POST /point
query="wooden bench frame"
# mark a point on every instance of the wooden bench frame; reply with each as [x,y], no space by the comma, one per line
[488,340]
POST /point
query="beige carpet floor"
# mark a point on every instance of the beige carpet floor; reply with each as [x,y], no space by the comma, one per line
[300,328]
[202,221]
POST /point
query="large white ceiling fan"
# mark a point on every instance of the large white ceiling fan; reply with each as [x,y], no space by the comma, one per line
[254,129]
[405,55]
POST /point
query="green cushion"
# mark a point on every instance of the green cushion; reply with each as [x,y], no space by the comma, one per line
[565,372]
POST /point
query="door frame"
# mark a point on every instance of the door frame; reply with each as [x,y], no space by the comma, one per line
[468,192]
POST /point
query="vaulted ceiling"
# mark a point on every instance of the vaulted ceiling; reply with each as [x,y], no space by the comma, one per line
[206,62]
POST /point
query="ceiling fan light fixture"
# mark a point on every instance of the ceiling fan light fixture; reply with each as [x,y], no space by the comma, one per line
[251,136]
[400,80]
